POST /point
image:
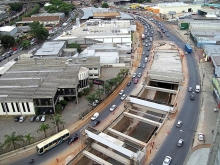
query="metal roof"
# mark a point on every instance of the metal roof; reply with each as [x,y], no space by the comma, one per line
[7,28]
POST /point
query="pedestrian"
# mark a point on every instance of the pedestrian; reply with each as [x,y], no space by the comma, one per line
[57,159]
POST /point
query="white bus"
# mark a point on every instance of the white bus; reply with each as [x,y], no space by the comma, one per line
[52,141]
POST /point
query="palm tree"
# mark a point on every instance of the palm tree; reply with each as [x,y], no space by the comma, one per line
[12,140]
[43,128]
[57,121]
[29,138]
[1,147]
[124,72]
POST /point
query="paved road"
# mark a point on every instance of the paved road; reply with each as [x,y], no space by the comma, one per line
[188,114]
[59,149]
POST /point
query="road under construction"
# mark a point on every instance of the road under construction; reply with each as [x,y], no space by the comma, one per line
[116,144]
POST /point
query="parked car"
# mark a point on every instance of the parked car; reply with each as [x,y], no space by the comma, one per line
[95,116]
[21,119]
[190,89]
[167,160]
[134,75]
[113,107]
[143,66]
[123,96]
[43,118]
[121,92]
[16,119]
[167,35]
[139,65]
[38,118]
[73,139]
[129,83]
[95,123]
[32,119]
[180,142]
[95,103]
[179,123]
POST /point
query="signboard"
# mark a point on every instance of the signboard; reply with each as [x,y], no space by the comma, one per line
[172,12]
[98,82]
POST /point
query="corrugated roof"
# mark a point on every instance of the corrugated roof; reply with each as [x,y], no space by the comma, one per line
[41,18]
[7,28]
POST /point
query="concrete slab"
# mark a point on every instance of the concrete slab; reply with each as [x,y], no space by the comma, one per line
[199,156]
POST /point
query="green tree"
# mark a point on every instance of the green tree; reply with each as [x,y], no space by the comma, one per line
[12,140]
[57,121]
[108,87]
[99,93]
[38,31]
[15,6]
[91,98]
[63,102]
[86,91]
[95,6]
[74,45]
[28,138]
[43,128]
[105,5]
[7,41]
[26,44]
[58,108]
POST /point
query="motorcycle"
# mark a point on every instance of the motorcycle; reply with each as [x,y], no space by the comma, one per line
[31,162]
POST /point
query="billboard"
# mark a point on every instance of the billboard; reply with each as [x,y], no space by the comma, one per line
[98,82]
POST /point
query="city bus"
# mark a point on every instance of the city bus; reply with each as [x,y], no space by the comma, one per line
[52,141]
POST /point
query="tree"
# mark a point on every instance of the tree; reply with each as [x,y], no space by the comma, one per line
[63,102]
[91,98]
[26,44]
[105,5]
[124,72]
[99,93]
[58,108]
[12,140]
[16,6]
[57,121]
[74,45]
[29,138]
[43,128]
[38,31]
[7,41]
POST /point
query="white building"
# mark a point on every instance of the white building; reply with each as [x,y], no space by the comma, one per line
[8,30]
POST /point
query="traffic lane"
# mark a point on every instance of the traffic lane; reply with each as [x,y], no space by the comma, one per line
[169,147]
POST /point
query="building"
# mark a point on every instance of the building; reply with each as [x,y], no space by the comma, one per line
[177,7]
[60,15]
[51,48]
[38,85]
[104,14]
[110,56]
[210,50]
[8,30]
[45,20]
[101,31]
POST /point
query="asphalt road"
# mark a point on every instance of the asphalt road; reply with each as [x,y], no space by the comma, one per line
[39,159]
[188,114]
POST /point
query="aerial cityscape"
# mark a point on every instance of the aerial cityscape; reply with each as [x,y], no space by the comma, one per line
[109,82]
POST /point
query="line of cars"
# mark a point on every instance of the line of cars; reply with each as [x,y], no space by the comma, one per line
[21,119]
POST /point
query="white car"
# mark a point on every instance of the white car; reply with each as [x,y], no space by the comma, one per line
[95,116]
[179,123]
[21,119]
[121,92]
[123,96]
[167,160]
[113,107]
[201,136]
[43,118]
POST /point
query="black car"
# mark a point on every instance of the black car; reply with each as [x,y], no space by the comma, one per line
[95,123]
[192,97]
[129,83]
[32,119]
[17,118]
[73,139]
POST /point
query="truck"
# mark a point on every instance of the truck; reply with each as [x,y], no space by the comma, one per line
[145,60]
[188,48]
[143,36]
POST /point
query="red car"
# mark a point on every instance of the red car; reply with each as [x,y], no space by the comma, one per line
[135,80]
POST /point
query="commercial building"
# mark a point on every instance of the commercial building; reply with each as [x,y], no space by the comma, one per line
[8,30]
[38,84]
[45,20]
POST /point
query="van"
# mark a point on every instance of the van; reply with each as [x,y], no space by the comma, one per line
[197,88]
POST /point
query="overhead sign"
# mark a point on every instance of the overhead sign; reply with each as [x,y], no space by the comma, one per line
[98,82]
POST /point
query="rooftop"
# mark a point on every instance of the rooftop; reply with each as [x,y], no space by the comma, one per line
[30,78]
[51,48]
[41,18]
[47,14]
[7,28]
